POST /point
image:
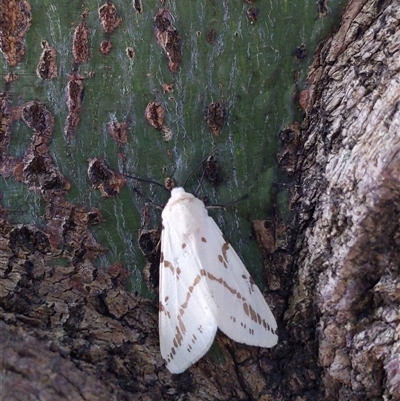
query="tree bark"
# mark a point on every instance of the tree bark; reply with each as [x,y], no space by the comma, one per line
[348,283]
[74,332]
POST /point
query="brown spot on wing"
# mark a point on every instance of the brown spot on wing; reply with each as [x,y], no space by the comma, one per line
[213,278]
[250,312]
[181,325]
[221,259]
[225,248]
[169,265]
[178,336]
[253,314]
[190,290]
[163,309]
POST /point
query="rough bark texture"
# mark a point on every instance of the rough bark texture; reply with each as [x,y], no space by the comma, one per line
[348,277]
[73,332]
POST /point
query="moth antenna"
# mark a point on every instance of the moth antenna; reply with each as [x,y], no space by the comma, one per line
[145,180]
[200,182]
[232,203]
[140,193]
[198,166]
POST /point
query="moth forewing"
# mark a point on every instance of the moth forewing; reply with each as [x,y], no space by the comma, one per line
[204,285]
[187,313]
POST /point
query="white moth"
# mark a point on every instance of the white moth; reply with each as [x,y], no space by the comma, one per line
[204,285]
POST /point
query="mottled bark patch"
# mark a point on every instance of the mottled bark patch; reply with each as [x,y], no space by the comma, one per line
[264,233]
[213,170]
[109,18]
[106,47]
[10,77]
[16,18]
[74,95]
[28,239]
[130,52]
[68,227]
[154,114]
[215,117]
[252,14]
[7,164]
[169,183]
[300,52]
[47,66]
[168,38]
[149,244]
[168,88]
[138,6]
[80,41]
[211,36]
[41,174]
[290,144]
[103,178]
[118,131]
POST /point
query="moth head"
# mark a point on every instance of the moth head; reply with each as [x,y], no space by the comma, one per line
[177,191]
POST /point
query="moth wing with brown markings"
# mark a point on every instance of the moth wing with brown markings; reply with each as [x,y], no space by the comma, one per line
[187,323]
[242,312]
[204,284]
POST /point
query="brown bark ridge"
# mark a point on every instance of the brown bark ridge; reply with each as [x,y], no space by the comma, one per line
[348,205]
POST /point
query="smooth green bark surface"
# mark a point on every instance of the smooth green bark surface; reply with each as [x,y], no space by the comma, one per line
[250,69]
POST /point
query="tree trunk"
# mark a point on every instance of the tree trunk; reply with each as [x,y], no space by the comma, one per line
[347,286]
[74,332]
